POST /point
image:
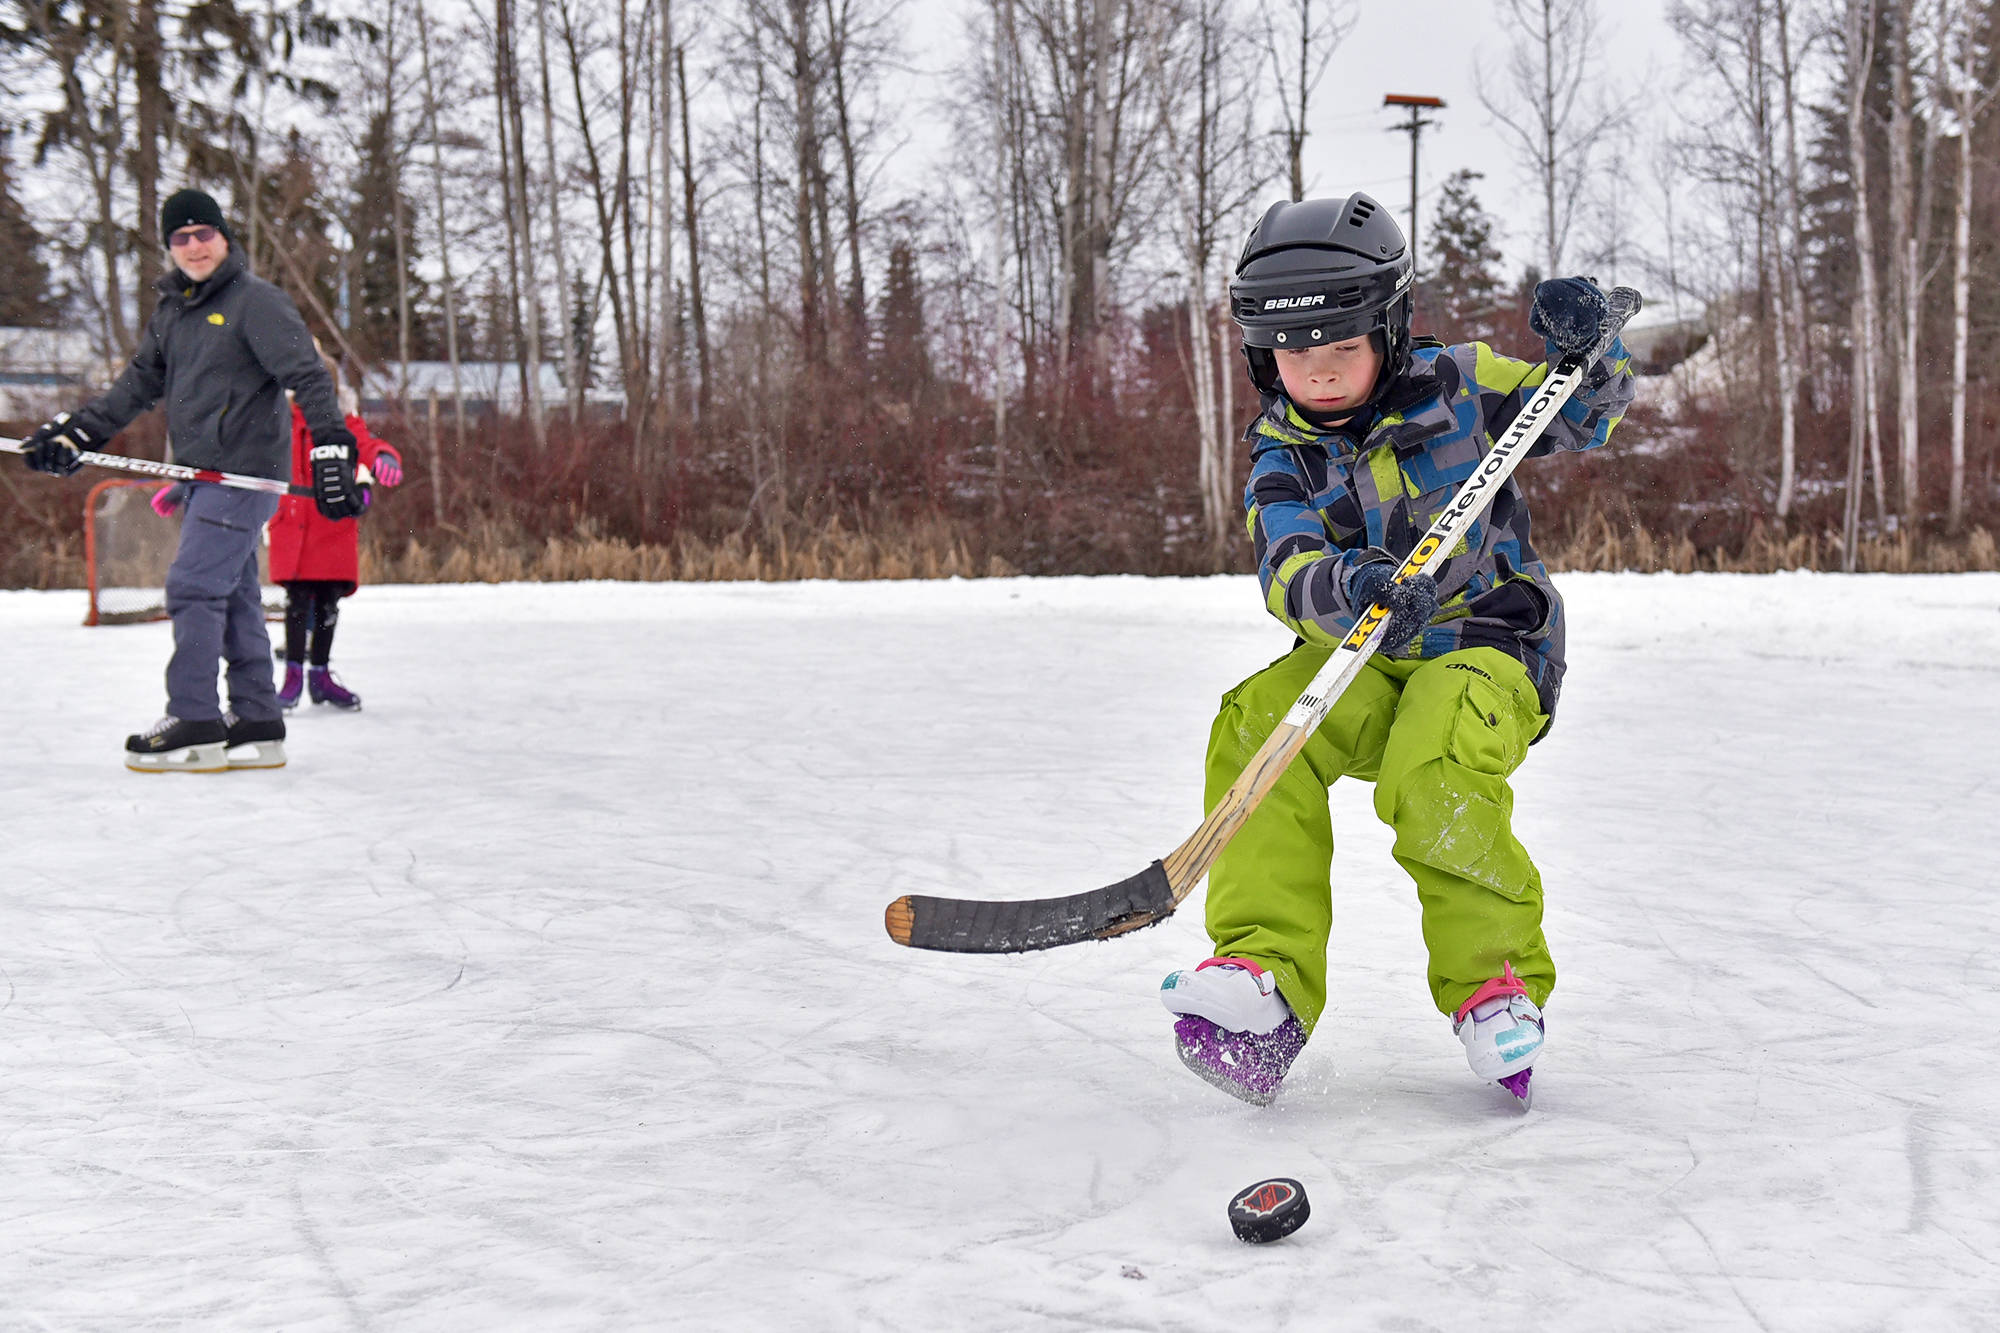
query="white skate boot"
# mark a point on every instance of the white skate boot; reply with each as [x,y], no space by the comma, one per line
[1501,1030]
[1232,993]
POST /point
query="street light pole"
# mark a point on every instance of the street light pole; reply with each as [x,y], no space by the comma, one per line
[1414,127]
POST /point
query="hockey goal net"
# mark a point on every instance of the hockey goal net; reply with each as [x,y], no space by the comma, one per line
[127,548]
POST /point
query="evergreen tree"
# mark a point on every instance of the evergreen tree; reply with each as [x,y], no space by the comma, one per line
[293,247]
[486,326]
[25,298]
[678,348]
[905,356]
[1828,197]
[582,331]
[1463,298]
[373,316]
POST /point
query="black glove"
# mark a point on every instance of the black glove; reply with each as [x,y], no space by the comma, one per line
[335,492]
[57,447]
[1571,313]
[1411,603]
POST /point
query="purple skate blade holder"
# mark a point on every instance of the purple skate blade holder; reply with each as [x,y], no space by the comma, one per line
[1246,1065]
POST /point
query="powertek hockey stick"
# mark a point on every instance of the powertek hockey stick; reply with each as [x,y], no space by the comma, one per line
[964,925]
[174,471]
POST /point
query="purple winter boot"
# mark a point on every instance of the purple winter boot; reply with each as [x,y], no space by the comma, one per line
[325,688]
[295,684]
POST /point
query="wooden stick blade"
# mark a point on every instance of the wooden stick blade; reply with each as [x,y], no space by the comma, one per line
[964,925]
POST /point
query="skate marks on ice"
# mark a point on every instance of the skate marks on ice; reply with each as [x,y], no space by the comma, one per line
[550,989]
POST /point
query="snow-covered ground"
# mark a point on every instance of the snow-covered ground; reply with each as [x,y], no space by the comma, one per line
[552,992]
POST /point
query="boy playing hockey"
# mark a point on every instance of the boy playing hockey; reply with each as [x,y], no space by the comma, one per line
[1363,439]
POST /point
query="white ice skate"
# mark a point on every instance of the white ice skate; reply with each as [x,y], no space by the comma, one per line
[1232,1029]
[1502,1031]
[1232,993]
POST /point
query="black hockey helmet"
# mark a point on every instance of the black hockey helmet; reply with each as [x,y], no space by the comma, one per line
[1323,271]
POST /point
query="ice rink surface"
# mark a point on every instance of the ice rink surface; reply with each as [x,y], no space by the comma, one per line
[551,992]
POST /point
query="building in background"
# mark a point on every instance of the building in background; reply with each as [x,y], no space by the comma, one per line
[488,386]
[1660,337]
[43,371]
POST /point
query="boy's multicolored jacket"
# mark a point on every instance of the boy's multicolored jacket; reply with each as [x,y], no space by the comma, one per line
[1319,499]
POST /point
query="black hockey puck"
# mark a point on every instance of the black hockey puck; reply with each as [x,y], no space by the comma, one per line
[1268,1210]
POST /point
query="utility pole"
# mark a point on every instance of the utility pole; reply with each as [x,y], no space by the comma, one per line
[1414,127]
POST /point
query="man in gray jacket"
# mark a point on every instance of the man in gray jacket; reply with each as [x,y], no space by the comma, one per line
[221,350]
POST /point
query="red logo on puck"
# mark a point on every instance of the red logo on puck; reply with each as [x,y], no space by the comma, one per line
[1267,1198]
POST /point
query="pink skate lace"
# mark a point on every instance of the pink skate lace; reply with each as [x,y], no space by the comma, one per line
[1504,985]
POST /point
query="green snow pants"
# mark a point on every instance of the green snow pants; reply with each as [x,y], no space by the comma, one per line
[1439,739]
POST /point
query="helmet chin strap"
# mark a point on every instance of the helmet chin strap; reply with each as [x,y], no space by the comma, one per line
[1353,423]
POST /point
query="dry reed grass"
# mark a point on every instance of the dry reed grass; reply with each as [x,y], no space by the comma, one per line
[56,562]
[490,553]
[1598,544]
[936,548]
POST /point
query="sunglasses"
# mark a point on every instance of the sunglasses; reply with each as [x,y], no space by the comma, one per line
[198,235]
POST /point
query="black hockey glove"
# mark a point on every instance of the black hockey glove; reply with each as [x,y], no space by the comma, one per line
[335,491]
[1571,313]
[57,447]
[1411,603]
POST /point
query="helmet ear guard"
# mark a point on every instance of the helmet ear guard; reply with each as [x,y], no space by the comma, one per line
[1263,368]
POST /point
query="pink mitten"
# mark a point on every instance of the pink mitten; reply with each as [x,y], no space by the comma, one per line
[387,467]
[167,500]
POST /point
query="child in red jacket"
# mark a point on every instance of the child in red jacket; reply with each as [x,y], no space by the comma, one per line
[317,561]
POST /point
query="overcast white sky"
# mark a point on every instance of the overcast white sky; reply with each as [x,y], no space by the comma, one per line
[1434,49]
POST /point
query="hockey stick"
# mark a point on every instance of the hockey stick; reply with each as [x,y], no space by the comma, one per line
[174,471]
[964,925]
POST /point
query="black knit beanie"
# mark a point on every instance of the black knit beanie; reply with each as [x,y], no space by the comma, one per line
[191,208]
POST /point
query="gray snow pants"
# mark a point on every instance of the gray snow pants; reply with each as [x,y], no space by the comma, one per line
[217,608]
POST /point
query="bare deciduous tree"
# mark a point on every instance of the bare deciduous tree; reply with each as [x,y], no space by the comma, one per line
[1086,129]
[697,309]
[1210,138]
[1551,106]
[1745,44]
[1300,36]
[1969,101]
[1859,34]
[444,253]
[572,375]
[520,219]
